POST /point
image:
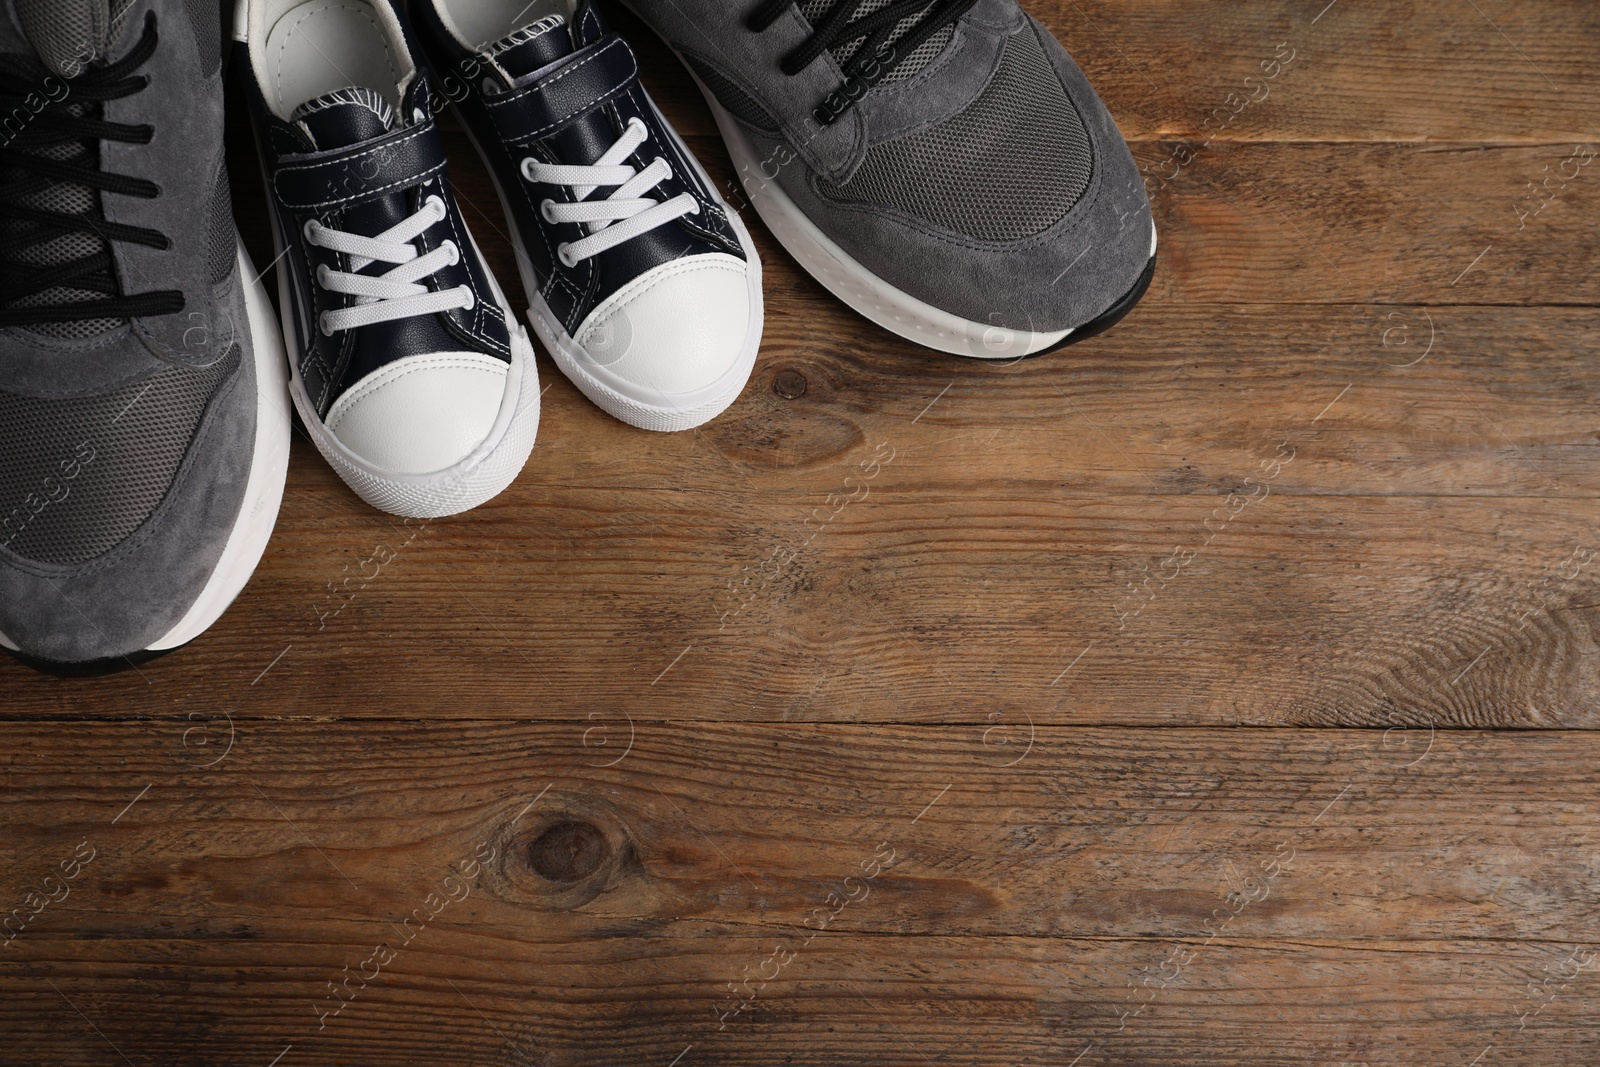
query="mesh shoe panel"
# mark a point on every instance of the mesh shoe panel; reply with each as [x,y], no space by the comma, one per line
[70,34]
[925,53]
[1010,165]
[740,104]
[79,474]
[207,20]
[220,253]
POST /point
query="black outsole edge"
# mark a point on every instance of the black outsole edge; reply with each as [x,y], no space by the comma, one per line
[1111,316]
[89,668]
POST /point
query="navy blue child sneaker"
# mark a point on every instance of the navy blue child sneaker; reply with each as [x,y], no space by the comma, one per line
[409,370]
[642,283]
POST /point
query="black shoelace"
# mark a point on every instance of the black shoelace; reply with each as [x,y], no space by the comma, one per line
[61,116]
[876,57]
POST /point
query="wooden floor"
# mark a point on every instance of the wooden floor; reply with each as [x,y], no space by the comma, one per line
[1223,690]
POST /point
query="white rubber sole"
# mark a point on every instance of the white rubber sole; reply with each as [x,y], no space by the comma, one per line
[477,478]
[629,402]
[269,469]
[865,292]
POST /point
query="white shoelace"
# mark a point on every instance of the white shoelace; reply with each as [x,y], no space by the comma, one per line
[397,294]
[622,216]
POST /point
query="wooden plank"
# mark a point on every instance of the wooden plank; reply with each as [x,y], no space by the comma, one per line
[1307,610]
[1503,72]
[1342,896]
[1417,224]
[315,829]
[467,997]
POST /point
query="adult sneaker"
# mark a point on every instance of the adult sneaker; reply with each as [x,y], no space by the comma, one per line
[144,418]
[410,372]
[641,282]
[941,165]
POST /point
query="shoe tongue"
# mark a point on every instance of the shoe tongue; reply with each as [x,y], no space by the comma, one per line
[68,35]
[530,49]
[344,117]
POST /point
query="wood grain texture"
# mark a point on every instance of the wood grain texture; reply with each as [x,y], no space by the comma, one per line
[499,1002]
[1004,828]
[1311,610]
[1012,913]
[1221,690]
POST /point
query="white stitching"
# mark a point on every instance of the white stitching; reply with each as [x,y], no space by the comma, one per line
[546,84]
[454,363]
[640,286]
[507,99]
[310,169]
[342,160]
[415,179]
[481,300]
[403,183]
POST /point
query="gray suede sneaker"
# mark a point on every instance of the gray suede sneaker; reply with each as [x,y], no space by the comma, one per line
[144,412]
[941,165]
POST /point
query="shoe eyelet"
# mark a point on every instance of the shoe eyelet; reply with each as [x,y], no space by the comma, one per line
[322,324]
[544,209]
[310,229]
[526,167]
[436,202]
[322,275]
[455,252]
[564,254]
[472,298]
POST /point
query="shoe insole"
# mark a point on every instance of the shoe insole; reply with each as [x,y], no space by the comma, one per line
[482,22]
[317,47]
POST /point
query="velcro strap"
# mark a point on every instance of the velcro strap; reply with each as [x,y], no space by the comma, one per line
[345,177]
[595,76]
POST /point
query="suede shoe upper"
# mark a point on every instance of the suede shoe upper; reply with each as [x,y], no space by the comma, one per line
[950,147]
[127,382]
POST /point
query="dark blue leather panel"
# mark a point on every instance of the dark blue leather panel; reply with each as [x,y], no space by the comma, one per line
[587,80]
[560,127]
[343,177]
[366,193]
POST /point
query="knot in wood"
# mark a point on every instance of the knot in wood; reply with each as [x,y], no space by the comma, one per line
[568,852]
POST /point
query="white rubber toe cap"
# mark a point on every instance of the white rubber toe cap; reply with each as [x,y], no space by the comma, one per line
[421,414]
[676,329]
